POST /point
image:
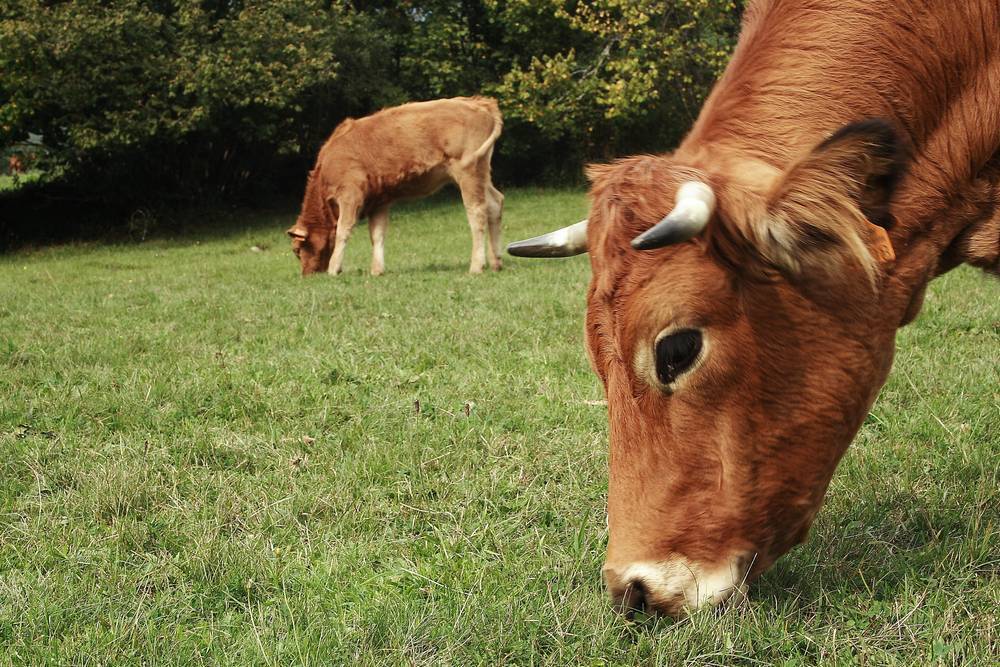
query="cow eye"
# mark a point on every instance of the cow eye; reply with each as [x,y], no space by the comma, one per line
[675,353]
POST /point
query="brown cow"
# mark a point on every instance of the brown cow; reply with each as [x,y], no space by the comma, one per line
[15,165]
[849,154]
[405,152]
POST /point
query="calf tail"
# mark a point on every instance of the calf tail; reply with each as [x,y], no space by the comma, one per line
[489,104]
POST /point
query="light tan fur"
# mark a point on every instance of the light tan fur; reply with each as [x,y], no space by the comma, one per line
[404,152]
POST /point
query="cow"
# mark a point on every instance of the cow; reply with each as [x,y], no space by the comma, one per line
[403,152]
[747,288]
[15,165]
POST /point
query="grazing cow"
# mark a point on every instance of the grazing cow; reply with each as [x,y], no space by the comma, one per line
[746,289]
[15,165]
[405,152]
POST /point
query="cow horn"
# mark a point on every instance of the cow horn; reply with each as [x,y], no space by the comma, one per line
[564,242]
[297,232]
[694,207]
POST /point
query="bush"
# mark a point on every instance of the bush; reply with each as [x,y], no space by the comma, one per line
[159,99]
[141,101]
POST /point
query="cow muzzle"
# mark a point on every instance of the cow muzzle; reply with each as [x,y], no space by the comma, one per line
[675,587]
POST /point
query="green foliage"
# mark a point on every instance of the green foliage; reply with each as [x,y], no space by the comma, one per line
[173,95]
[575,80]
[90,78]
[140,100]
[634,61]
[250,71]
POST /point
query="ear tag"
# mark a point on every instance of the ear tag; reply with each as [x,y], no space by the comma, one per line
[881,246]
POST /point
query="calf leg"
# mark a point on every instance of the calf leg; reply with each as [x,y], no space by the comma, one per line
[494,213]
[474,197]
[377,224]
[345,225]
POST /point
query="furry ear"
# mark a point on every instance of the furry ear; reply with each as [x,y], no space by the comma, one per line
[831,209]
[297,232]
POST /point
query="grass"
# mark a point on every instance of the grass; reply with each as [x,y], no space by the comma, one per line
[205,459]
[15,181]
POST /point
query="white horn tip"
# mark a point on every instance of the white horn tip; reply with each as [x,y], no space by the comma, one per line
[695,203]
[564,242]
[696,190]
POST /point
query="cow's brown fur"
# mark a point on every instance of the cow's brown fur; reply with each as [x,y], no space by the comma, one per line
[803,275]
[399,153]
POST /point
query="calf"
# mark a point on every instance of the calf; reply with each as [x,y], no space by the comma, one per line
[404,152]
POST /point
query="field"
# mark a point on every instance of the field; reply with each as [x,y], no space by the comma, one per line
[206,460]
[12,182]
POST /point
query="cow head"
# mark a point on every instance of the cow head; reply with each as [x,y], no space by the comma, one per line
[312,246]
[740,339]
[313,234]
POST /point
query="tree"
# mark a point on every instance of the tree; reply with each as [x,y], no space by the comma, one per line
[182,97]
[633,66]
[151,100]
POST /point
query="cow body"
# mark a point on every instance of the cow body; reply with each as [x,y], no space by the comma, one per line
[400,153]
[851,154]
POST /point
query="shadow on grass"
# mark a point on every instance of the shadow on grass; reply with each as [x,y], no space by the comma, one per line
[440,266]
[41,225]
[30,224]
[860,573]
[431,268]
[872,555]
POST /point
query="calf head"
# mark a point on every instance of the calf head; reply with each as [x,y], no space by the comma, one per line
[312,246]
[314,233]
[741,340]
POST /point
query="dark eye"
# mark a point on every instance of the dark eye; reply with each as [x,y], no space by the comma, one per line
[675,353]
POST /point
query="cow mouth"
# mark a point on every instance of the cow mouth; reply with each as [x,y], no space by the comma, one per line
[676,587]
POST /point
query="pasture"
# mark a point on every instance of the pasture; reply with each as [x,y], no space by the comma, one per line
[206,459]
[13,181]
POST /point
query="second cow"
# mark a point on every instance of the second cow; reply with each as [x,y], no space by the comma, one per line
[404,152]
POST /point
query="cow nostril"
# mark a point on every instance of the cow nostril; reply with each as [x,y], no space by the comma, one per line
[628,595]
[633,598]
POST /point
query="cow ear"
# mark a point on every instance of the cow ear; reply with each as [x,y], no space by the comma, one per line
[297,232]
[830,211]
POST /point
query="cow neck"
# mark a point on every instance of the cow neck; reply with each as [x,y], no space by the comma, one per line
[314,206]
[802,71]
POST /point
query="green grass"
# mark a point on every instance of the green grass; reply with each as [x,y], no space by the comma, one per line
[206,459]
[15,181]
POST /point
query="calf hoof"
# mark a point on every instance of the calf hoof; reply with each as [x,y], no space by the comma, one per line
[378,271]
[497,265]
[475,270]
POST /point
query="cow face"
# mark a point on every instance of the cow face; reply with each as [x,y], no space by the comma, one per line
[737,364]
[314,233]
[312,246]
